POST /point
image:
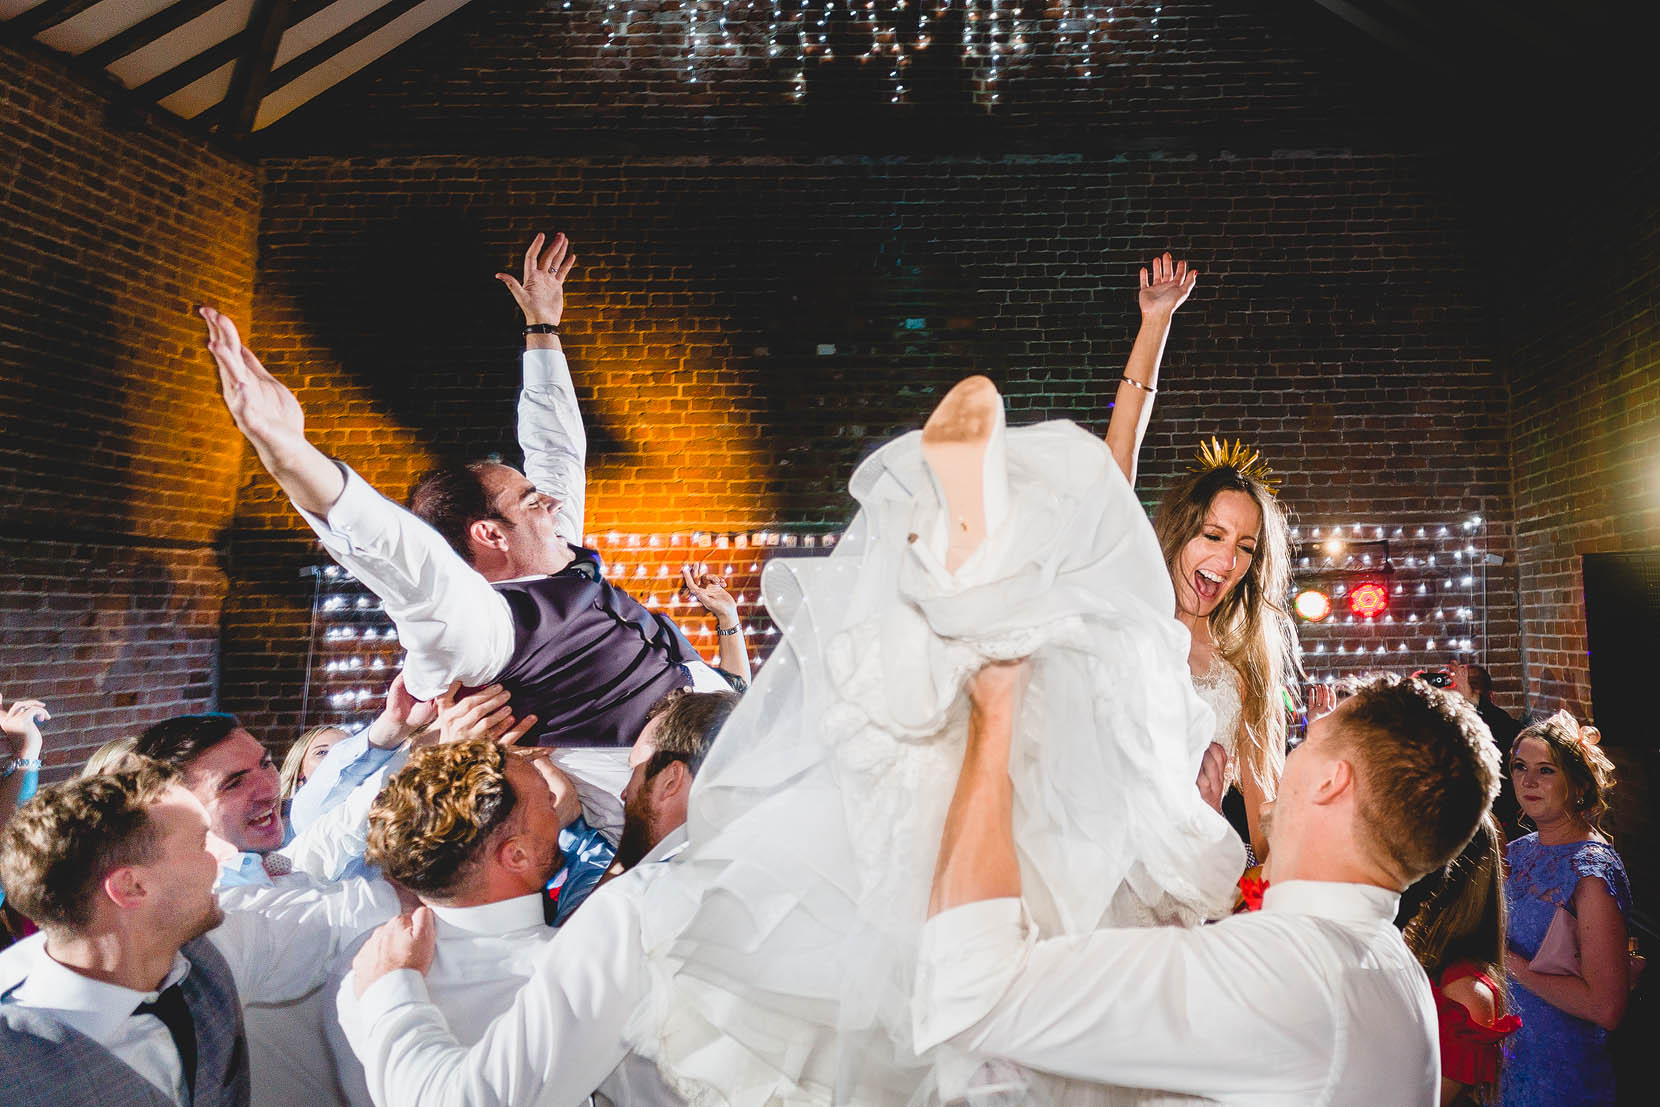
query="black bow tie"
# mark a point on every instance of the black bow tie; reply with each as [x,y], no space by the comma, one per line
[170,1008]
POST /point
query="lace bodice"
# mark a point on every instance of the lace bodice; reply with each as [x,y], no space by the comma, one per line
[1555,1058]
[1221,690]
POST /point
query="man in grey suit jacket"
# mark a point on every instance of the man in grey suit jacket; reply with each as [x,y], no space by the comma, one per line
[118,1000]
[132,993]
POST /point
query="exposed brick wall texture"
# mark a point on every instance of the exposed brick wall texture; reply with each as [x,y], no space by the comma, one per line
[1335,327]
[1583,315]
[118,465]
[537,77]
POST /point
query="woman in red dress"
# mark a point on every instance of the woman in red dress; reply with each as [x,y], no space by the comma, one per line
[1458,936]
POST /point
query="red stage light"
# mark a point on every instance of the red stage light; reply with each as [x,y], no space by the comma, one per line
[1369,600]
[1312,604]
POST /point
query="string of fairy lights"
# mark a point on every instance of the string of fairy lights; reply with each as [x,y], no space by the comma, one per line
[1398,597]
[796,37]
[355,650]
[1368,597]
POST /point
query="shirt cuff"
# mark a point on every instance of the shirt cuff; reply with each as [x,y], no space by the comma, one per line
[357,504]
[546,371]
[965,960]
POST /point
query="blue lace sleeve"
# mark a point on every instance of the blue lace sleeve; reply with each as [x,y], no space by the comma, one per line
[1598,859]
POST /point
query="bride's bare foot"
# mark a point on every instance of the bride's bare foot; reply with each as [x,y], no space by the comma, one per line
[954,444]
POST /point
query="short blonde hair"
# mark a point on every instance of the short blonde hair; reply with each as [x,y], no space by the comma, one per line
[1426,767]
[429,825]
[109,756]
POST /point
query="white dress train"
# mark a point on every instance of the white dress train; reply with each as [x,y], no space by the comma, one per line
[784,940]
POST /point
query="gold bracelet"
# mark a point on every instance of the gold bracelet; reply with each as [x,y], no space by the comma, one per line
[1150,390]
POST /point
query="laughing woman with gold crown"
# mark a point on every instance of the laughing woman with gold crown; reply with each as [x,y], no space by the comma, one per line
[1225,541]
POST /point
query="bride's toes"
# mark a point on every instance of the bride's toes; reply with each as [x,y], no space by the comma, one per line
[954,444]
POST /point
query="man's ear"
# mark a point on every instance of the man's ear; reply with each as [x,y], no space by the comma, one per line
[1337,782]
[672,780]
[487,533]
[512,854]
[125,887]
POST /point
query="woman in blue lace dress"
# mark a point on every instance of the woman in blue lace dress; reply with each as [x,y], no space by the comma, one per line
[1560,1054]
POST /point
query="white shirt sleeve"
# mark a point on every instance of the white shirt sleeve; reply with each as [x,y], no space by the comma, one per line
[337,837]
[1217,1010]
[552,437]
[281,938]
[453,624]
[563,1035]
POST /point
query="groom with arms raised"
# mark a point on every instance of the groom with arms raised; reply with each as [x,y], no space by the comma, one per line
[488,586]
[1313,999]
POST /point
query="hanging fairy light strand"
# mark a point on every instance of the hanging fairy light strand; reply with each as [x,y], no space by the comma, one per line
[996,39]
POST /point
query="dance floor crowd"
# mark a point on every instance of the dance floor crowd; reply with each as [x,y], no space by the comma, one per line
[961,841]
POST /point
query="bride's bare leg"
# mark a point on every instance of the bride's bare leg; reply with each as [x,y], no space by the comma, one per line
[954,444]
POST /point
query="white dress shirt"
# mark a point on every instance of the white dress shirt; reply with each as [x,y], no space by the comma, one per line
[554,442]
[101,1011]
[453,624]
[278,942]
[1314,999]
[484,956]
[563,1036]
[288,1062]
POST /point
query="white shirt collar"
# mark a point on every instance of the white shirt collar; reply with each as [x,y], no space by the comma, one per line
[502,917]
[1332,900]
[93,1007]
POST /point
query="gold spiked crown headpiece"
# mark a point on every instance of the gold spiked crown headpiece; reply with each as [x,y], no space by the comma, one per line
[1243,459]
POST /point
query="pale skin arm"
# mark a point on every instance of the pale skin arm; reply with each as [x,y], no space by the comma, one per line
[1600,994]
[540,289]
[1255,797]
[401,719]
[710,592]
[977,858]
[19,737]
[486,713]
[1168,287]
[270,418]
[1476,998]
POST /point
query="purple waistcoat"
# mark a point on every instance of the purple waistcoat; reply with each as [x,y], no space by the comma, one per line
[588,659]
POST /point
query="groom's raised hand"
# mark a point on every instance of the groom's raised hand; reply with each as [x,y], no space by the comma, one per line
[269,416]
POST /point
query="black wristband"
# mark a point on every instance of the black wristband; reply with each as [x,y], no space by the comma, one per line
[728,631]
[542,328]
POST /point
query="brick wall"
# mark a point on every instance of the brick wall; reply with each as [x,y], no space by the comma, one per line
[1335,326]
[1582,313]
[118,465]
[536,77]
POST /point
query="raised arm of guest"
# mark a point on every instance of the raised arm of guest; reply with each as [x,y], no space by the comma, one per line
[711,594]
[383,744]
[20,746]
[1122,1006]
[565,1032]
[550,422]
[1161,294]
[453,624]
[281,940]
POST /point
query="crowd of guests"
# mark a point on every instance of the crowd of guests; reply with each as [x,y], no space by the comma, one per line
[449,906]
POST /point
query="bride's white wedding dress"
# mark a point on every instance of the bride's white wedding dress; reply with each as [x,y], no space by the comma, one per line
[783,940]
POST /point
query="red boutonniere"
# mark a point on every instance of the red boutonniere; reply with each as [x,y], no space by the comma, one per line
[1251,889]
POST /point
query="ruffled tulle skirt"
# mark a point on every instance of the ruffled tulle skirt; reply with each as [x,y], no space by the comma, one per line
[784,938]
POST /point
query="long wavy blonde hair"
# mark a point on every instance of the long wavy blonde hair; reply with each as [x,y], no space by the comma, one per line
[1250,627]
